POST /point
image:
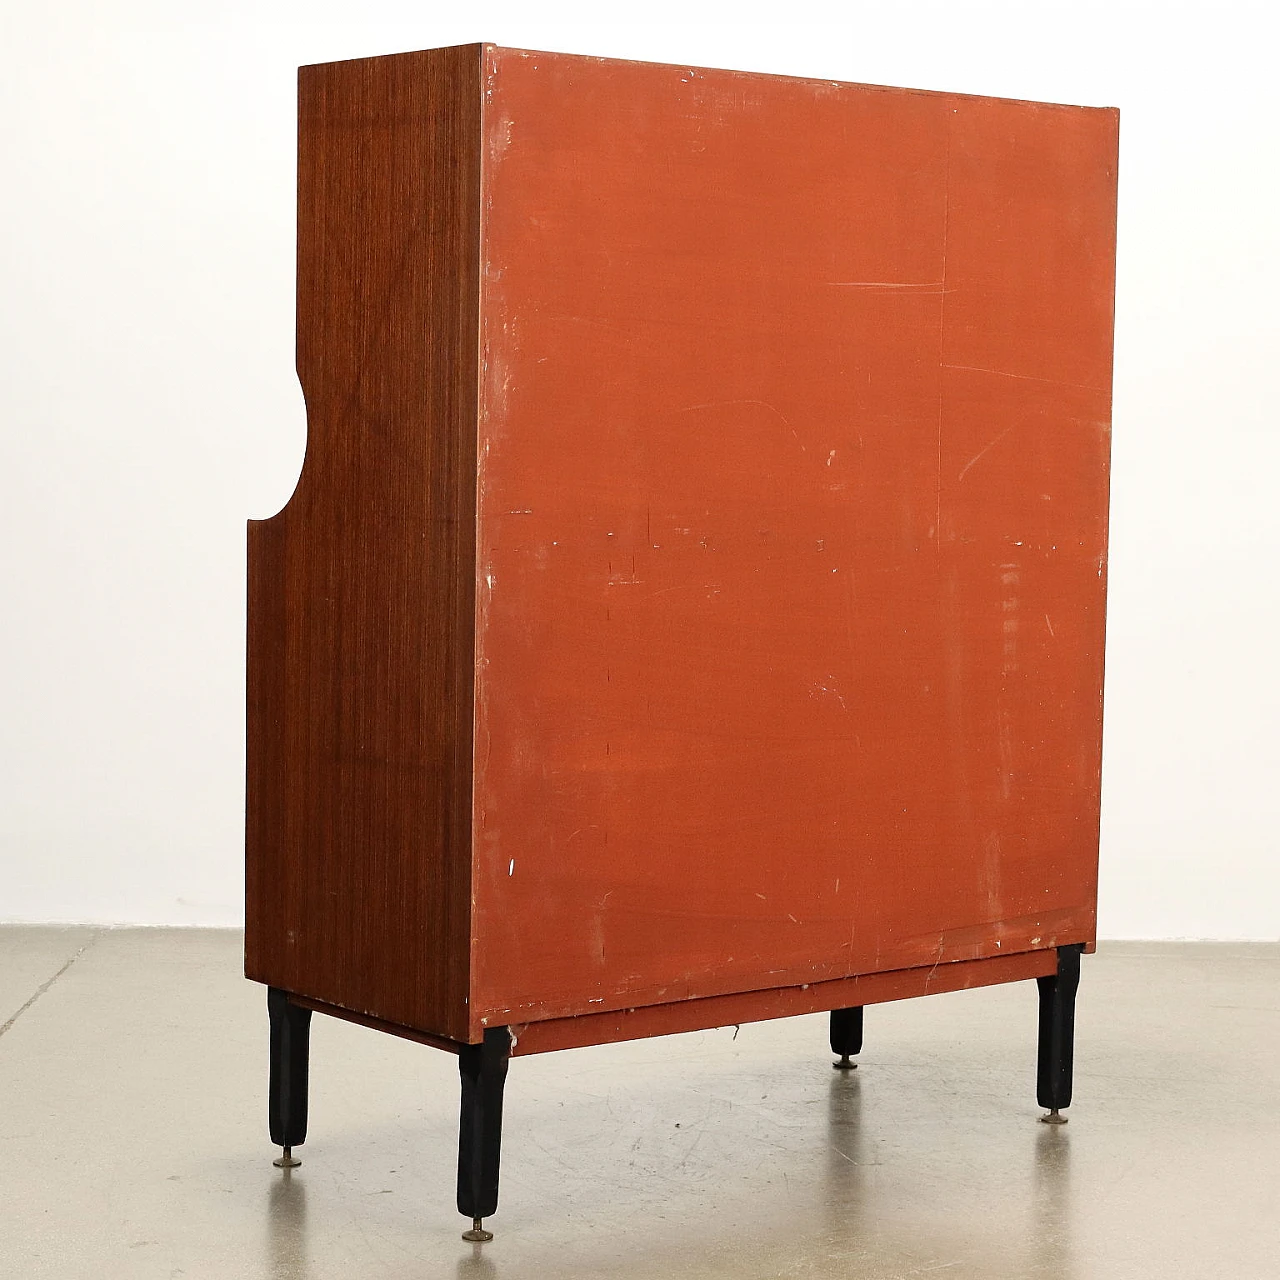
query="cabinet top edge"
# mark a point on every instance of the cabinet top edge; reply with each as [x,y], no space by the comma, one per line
[495,52]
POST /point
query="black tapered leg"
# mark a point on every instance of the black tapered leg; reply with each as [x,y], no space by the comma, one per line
[483,1068]
[846,1036]
[1057,1034]
[287,1091]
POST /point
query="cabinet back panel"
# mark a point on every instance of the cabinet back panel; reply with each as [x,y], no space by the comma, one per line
[794,423]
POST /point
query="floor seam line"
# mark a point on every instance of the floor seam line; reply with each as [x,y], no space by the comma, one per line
[44,986]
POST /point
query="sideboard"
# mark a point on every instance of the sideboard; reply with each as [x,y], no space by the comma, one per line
[691,607]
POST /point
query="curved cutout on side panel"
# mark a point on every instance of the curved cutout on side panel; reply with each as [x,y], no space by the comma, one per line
[295,486]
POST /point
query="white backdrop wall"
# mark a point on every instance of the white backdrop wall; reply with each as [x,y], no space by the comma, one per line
[148,406]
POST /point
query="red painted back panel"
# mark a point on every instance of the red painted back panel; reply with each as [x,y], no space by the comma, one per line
[792,530]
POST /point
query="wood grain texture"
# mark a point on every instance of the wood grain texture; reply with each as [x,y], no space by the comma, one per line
[795,423]
[361,591]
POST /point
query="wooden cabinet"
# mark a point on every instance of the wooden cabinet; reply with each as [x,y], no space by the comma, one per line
[691,607]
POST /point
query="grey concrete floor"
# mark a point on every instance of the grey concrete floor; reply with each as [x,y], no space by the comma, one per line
[133,1134]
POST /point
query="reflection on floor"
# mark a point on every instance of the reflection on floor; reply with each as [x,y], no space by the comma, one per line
[133,1134]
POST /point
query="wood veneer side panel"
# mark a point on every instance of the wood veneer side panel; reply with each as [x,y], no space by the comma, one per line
[362,591]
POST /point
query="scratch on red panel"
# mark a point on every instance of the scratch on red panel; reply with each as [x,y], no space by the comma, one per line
[942,325]
[982,453]
[1023,377]
[936,963]
[764,404]
[928,286]
[991,873]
